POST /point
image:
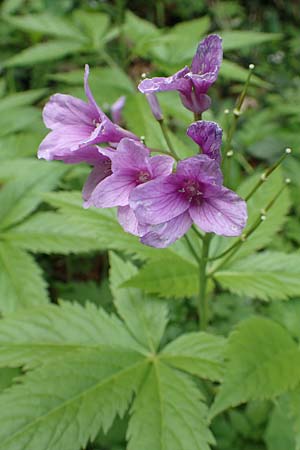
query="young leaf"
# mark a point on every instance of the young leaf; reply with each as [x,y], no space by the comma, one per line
[171,276]
[264,361]
[236,39]
[63,405]
[168,413]
[266,275]
[21,282]
[145,317]
[200,354]
[38,335]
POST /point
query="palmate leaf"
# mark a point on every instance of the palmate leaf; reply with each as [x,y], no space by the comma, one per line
[21,282]
[63,405]
[50,232]
[21,196]
[42,334]
[168,413]
[263,361]
[171,276]
[200,354]
[266,275]
[146,318]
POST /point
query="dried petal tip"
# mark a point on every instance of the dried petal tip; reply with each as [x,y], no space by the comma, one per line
[288,151]
[251,66]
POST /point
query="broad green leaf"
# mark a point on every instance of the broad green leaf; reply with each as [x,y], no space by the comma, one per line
[236,39]
[279,433]
[266,275]
[50,232]
[168,413]
[46,51]
[287,314]
[63,405]
[94,26]
[171,276]
[293,404]
[24,143]
[46,24]
[232,71]
[146,318]
[37,335]
[139,32]
[21,282]
[200,354]
[18,119]
[21,196]
[21,99]
[7,375]
[263,362]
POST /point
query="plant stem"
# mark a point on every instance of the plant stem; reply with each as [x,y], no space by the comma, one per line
[202,300]
[190,245]
[164,130]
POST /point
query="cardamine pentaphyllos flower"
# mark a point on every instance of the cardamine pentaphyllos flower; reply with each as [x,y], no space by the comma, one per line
[192,83]
[131,166]
[169,205]
[76,127]
[208,135]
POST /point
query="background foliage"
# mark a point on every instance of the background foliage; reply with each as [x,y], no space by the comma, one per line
[99,340]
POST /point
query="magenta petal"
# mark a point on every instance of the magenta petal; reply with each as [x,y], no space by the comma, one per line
[158,200]
[99,172]
[90,96]
[176,82]
[161,165]
[129,222]
[132,155]
[90,155]
[63,110]
[208,57]
[116,109]
[202,168]
[223,212]
[113,191]
[197,103]
[164,234]
[208,135]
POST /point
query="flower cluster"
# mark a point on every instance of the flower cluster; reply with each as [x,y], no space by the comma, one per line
[155,200]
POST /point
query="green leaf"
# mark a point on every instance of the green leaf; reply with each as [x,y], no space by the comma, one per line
[63,405]
[21,196]
[171,276]
[293,409]
[145,317]
[266,275]
[7,376]
[21,99]
[38,335]
[94,25]
[18,119]
[50,232]
[236,39]
[279,433]
[21,282]
[46,24]
[168,414]
[46,51]
[200,354]
[264,361]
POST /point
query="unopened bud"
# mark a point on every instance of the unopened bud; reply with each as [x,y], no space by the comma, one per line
[263,177]
[237,112]
[142,139]
[229,153]
[251,66]
[263,217]
[243,237]
[288,151]
[155,107]
[288,181]
[143,75]
[226,111]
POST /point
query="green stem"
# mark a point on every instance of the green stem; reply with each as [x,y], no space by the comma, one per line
[190,245]
[198,233]
[164,130]
[202,299]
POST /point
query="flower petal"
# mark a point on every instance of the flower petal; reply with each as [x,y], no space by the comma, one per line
[201,168]
[197,103]
[158,200]
[99,172]
[116,109]
[63,110]
[164,234]
[92,102]
[161,165]
[113,191]
[129,222]
[223,212]
[208,135]
[130,155]
[208,57]
[176,82]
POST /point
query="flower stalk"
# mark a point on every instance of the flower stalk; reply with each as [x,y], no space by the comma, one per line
[202,299]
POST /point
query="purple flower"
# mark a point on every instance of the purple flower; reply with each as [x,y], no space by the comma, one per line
[131,166]
[208,135]
[76,127]
[192,83]
[116,109]
[170,204]
[155,106]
